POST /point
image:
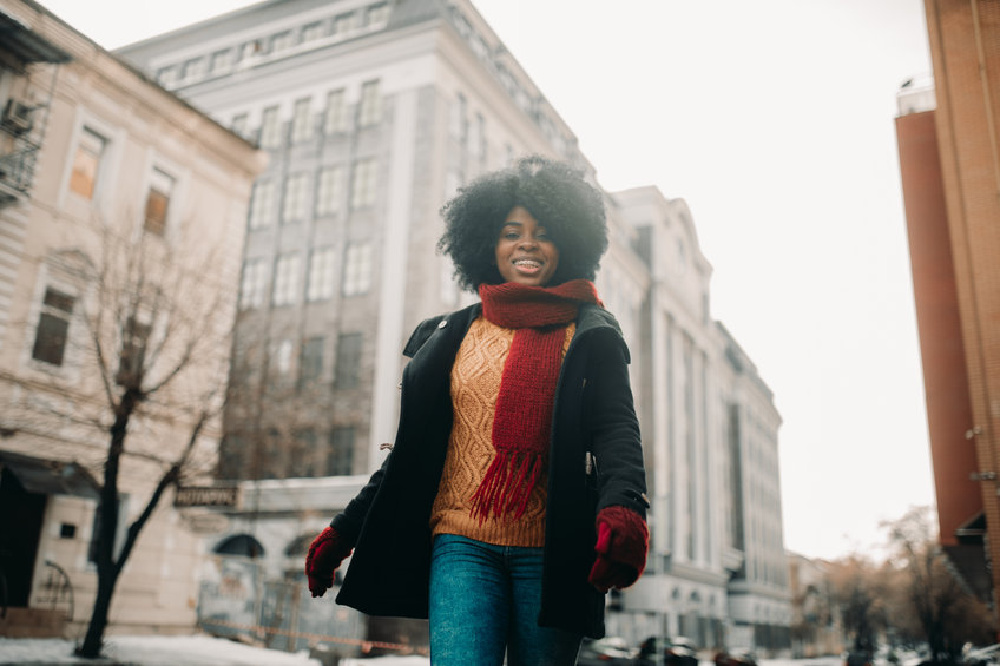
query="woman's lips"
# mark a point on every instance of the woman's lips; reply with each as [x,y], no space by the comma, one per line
[528,265]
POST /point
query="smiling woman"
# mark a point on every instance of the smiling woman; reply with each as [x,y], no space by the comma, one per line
[506,405]
[525,254]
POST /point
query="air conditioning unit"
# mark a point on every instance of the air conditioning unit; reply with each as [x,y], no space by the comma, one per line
[17,117]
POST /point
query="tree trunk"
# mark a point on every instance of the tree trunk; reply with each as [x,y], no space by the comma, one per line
[107,509]
[94,639]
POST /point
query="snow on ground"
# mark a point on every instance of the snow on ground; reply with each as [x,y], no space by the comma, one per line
[206,651]
[150,651]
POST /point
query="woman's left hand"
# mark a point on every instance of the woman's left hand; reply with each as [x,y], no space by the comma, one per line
[622,543]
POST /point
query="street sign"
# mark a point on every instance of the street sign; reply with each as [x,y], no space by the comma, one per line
[225,496]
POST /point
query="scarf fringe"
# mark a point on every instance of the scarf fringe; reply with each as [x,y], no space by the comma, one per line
[507,485]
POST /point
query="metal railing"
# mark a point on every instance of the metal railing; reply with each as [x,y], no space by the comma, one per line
[17,170]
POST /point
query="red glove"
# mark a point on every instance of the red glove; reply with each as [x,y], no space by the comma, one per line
[622,542]
[325,554]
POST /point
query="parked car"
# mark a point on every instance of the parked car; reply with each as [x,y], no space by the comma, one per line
[678,651]
[736,657]
[605,652]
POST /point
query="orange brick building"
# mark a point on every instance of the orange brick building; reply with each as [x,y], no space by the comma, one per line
[950,168]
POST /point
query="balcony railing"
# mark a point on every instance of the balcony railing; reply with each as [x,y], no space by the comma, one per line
[17,170]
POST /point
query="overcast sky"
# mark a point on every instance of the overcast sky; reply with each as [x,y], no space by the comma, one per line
[774,121]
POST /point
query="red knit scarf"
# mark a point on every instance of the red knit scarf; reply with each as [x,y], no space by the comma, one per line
[522,421]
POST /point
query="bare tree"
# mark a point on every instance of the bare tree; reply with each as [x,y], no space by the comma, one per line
[157,312]
[857,593]
[932,600]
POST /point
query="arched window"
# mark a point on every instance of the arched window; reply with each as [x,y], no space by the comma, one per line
[240,544]
[299,545]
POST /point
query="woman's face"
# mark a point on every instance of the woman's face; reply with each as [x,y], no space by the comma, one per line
[525,254]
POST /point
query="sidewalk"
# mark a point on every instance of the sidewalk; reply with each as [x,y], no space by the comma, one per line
[148,651]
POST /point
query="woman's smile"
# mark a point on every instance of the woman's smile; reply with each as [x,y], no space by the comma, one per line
[524,252]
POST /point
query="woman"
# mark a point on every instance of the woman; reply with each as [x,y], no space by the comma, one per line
[514,495]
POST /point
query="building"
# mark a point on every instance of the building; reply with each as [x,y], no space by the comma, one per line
[948,151]
[716,571]
[374,113]
[759,588]
[102,172]
[817,629]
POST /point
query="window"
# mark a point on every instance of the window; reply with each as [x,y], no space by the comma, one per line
[253,286]
[161,189]
[321,265]
[270,460]
[294,208]
[347,370]
[261,204]
[132,358]
[90,152]
[283,357]
[340,452]
[363,187]
[377,15]
[167,76]
[331,190]
[286,279]
[336,116]
[477,139]
[357,269]
[301,121]
[281,41]
[301,461]
[270,128]
[343,24]
[249,49]
[239,124]
[312,31]
[311,360]
[458,123]
[479,46]
[53,327]
[370,112]
[194,69]
[221,62]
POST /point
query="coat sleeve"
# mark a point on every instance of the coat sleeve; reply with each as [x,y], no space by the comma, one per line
[348,522]
[614,427]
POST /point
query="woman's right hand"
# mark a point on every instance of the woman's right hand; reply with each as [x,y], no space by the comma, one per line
[325,554]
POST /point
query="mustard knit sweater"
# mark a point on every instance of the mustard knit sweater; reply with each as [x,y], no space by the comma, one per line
[475,384]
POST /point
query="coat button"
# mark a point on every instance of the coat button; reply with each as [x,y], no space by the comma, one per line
[444,322]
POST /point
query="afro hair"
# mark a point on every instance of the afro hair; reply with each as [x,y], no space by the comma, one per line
[570,209]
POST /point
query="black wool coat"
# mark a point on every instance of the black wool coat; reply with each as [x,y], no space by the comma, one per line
[593,413]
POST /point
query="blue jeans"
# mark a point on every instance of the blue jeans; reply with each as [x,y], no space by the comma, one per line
[484,601]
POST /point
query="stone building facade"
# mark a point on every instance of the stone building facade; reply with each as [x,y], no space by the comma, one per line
[96,162]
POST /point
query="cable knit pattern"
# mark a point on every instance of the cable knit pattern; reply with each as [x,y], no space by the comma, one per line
[475,385]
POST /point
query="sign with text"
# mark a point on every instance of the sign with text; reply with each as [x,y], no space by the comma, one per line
[226,496]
